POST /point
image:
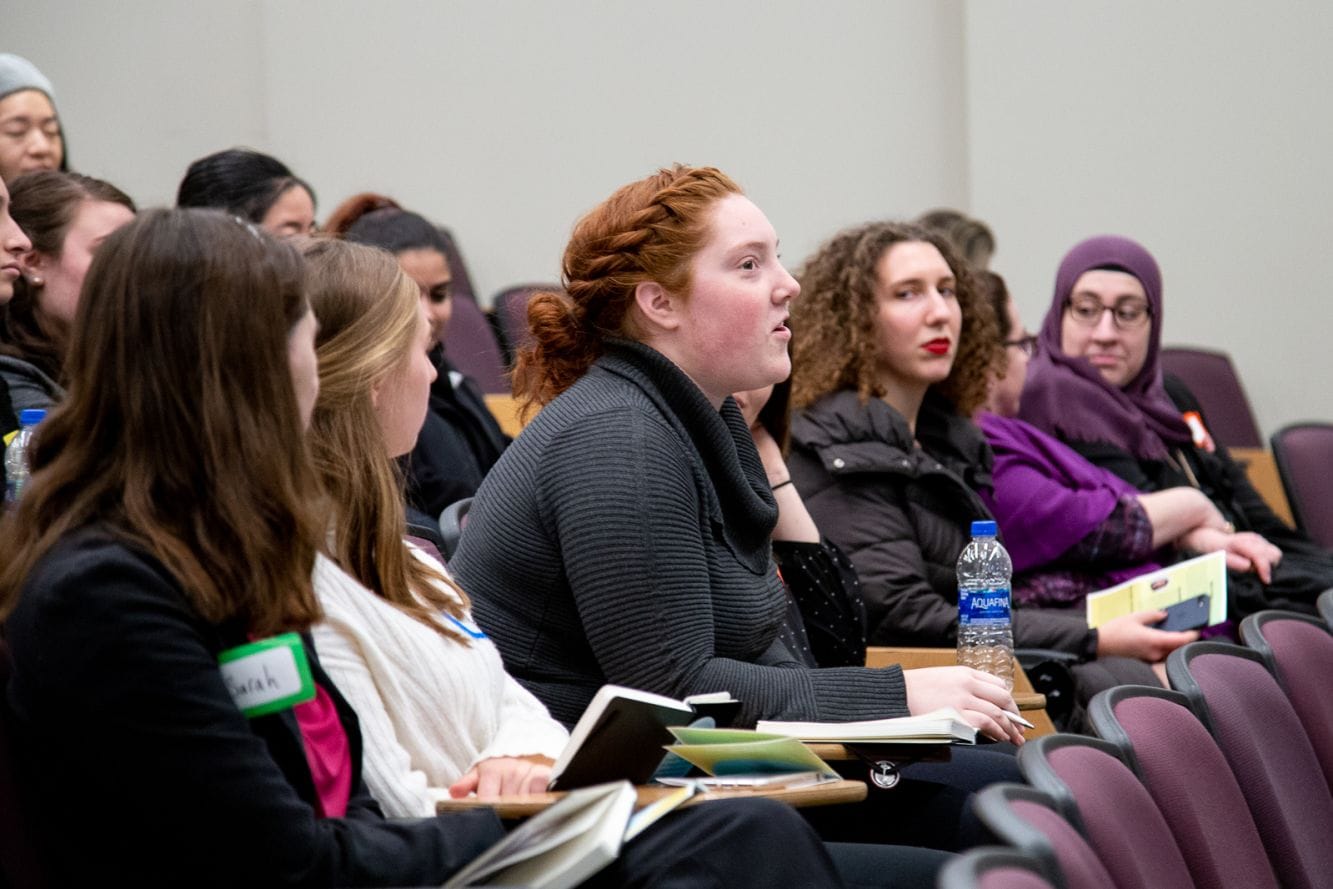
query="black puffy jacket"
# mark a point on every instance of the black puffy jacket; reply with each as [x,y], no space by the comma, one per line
[903,514]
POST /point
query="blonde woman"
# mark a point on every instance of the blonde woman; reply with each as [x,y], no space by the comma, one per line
[438,712]
[437,709]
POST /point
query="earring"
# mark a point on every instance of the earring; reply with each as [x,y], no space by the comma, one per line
[35,280]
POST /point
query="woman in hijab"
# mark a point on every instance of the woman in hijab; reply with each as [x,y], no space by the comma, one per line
[1097,384]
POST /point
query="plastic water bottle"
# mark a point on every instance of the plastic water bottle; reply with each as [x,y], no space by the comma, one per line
[16,455]
[985,633]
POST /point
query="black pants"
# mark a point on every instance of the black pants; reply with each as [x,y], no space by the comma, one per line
[1306,570]
[930,806]
[759,843]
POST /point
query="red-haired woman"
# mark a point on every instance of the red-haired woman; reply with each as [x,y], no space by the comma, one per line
[625,536]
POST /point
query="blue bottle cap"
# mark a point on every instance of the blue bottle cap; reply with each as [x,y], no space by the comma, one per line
[31,416]
[983,529]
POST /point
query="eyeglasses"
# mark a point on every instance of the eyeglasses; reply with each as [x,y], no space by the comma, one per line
[1128,314]
[1027,345]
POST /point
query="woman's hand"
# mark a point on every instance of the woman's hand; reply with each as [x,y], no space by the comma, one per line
[504,776]
[1262,555]
[980,697]
[1131,636]
[1245,551]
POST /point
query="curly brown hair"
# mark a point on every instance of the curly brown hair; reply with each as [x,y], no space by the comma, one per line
[648,230]
[836,344]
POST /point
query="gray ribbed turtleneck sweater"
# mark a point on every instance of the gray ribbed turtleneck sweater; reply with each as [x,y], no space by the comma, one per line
[624,538]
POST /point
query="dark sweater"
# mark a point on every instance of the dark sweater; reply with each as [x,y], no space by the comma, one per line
[624,538]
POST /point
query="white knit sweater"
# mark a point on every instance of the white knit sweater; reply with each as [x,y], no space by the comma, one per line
[430,708]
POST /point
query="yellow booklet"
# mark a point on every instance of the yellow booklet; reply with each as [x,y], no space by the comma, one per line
[1204,575]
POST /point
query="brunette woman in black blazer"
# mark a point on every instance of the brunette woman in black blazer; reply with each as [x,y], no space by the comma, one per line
[169,526]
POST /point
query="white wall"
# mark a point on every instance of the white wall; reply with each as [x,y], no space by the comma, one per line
[146,86]
[1201,128]
[507,119]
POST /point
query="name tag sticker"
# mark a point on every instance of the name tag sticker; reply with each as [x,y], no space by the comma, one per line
[269,675]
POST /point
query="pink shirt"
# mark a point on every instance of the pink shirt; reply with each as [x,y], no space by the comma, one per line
[327,752]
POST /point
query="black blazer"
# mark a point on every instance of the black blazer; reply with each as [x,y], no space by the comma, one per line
[145,771]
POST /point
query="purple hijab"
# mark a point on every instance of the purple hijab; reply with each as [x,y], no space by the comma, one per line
[1067,397]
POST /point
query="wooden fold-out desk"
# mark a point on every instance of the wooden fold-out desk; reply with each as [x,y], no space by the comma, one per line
[828,793]
[1261,469]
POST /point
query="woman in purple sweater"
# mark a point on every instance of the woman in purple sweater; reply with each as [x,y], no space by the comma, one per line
[1073,528]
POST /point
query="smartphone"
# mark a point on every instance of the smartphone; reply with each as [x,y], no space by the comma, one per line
[1189,614]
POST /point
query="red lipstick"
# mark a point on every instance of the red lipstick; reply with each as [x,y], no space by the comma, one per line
[938,346]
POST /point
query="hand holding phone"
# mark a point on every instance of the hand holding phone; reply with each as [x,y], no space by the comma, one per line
[1189,614]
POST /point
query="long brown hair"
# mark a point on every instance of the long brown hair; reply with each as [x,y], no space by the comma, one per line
[835,326]
[181,432]
[44,205]
[648,230]
[368,311]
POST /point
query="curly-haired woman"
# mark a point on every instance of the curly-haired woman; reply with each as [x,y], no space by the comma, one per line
[895,348]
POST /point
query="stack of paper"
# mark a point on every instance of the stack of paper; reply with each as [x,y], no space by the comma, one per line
[943,726]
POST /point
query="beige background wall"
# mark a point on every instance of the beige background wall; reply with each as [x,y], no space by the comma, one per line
[1204,130]
[1201,128]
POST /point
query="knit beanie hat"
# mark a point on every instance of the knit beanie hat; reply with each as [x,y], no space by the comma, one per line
[17,73]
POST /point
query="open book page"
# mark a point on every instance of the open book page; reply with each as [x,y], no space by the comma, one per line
[941,726]
[780,781]
[1202,575]
[559,847]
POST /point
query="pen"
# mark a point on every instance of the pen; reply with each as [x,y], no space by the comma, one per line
[1014,717]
